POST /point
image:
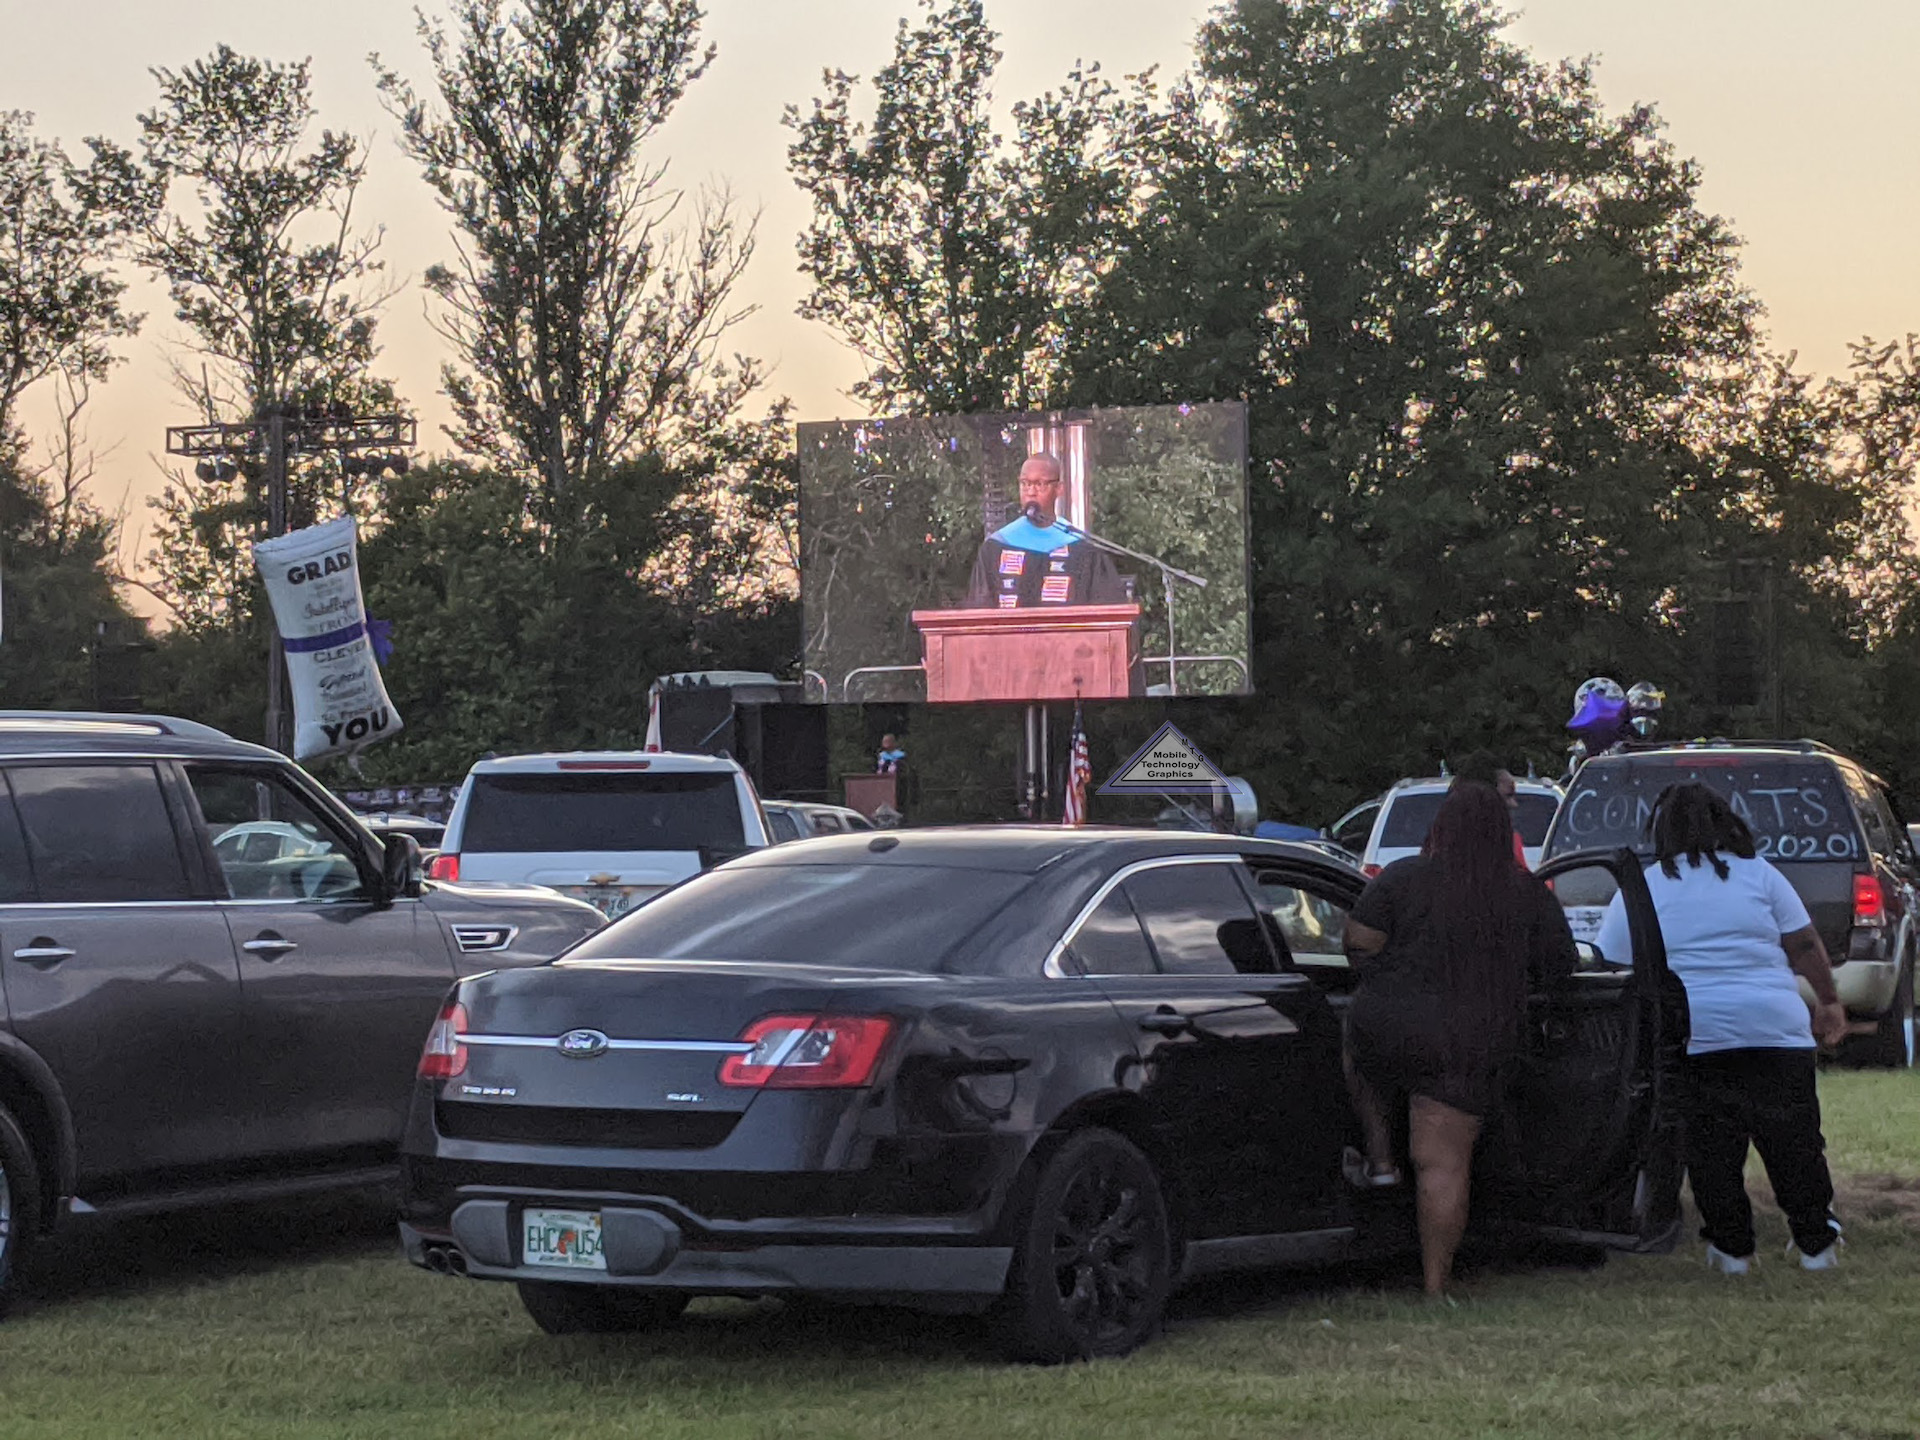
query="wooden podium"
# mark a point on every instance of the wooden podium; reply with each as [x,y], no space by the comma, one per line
[1056,652]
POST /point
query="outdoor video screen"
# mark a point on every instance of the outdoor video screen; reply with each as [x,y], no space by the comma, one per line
[1026,557]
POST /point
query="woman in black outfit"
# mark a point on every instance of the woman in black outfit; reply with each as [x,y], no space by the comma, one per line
[1446,945]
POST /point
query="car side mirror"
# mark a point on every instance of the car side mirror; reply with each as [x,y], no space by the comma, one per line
[400,867]
[1589,955]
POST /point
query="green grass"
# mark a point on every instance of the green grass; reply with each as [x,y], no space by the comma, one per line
[307,1323]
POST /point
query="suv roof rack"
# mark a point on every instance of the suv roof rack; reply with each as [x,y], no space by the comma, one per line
[87,722]
[1718,742]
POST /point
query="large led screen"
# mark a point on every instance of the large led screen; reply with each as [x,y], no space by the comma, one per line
[1094,554]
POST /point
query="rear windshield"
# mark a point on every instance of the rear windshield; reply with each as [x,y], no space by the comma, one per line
[600,810]
[1797,808]
[1410,817]
[858,917]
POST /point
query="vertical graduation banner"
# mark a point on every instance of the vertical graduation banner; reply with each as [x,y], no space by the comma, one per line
[340,703]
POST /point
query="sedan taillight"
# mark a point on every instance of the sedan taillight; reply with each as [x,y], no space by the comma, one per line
[808,1052]
[445,1056]
[444,867]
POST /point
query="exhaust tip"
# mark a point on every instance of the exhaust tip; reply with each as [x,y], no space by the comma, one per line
[456,1263]
[436,1258]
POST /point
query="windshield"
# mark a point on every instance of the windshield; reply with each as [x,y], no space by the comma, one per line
[596,810]
[858,917]
[1410,817]
[1796,807]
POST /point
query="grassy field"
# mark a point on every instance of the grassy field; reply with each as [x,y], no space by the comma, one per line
[267,1324]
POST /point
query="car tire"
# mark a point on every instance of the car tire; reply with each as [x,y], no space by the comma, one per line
[1891,1045]
[563,1309]
[19,1205]
[1092,1259]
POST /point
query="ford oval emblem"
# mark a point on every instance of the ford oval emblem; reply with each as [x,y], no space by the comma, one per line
[581,1044]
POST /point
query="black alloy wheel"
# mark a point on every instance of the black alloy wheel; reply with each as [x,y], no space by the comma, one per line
[19,1204]
[573,1309]
[1091,1267]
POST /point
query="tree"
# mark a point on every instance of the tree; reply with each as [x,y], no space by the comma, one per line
[253,230]
[62,609]
[588,320]
[958,266]
[60,304]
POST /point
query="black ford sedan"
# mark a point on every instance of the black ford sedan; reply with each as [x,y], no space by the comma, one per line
[1048,1073]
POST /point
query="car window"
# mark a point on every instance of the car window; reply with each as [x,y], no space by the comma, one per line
[1313,927]
[552,812]
[1873,818]
[269,842]
[1352,829]
[826,823]
[1533,816]
[857,822]
[850,917]
[1110,940]
[1199,920]
[16,875]
[1409,818]
[1797,807]
[98,833]
[781,825]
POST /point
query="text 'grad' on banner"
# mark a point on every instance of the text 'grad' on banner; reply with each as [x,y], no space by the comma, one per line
[340,702]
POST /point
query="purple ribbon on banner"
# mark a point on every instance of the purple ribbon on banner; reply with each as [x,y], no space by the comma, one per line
[379,634]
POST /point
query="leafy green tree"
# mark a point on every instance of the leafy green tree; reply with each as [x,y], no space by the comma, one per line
[250,223]
[60,602]
[588,318]
[60,303]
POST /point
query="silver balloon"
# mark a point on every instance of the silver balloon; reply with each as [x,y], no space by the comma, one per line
[1646,698]
[1644,726]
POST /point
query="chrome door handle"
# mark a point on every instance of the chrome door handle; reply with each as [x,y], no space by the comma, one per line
[43,954]
[269,947]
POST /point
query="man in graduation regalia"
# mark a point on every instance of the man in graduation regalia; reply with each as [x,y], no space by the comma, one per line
[1034,561]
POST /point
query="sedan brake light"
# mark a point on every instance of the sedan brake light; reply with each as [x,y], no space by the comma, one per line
[1369,871]
[1869,901]
[445,1056]
[444,867]
[808,1052]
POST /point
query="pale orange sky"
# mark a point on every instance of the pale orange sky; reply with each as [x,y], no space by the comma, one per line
[1799,115]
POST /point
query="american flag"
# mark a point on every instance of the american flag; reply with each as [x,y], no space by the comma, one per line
[1079,772]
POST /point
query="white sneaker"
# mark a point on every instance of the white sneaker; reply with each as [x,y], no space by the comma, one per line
[1718,1259]
[1827,1259]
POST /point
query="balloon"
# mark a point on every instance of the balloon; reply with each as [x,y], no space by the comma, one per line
[1599,713]
[1646,698]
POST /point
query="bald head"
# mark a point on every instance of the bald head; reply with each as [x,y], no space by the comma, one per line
[1040,486]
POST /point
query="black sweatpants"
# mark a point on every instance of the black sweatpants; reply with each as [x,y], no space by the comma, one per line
[1766,1097]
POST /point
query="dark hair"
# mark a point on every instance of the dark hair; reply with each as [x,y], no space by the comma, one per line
[1482,767]
[1691,819]
[1479,903]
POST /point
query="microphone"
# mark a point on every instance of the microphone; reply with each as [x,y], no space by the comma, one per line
[1032,512]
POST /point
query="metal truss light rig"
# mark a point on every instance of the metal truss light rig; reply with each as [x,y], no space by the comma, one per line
[368,445]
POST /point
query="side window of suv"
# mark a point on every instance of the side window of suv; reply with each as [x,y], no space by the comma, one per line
[270,843]
[1873,817]
[16,875]
[1110,941]
[98,833]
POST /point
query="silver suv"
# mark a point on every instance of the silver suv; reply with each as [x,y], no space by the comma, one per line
[214,982]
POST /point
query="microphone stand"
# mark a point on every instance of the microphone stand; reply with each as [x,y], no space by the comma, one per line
[1168,574]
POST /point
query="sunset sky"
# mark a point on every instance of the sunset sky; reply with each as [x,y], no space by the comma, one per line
[1799,114]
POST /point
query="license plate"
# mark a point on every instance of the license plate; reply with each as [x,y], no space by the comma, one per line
[561,1239]
[1584,921]
[609,901]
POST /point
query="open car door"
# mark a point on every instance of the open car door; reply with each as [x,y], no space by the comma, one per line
[1595,1146]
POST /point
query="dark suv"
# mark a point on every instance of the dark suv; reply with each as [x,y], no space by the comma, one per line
[1826,822]
[214,982]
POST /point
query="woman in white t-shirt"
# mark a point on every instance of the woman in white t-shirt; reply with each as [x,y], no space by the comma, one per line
[1736,934]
